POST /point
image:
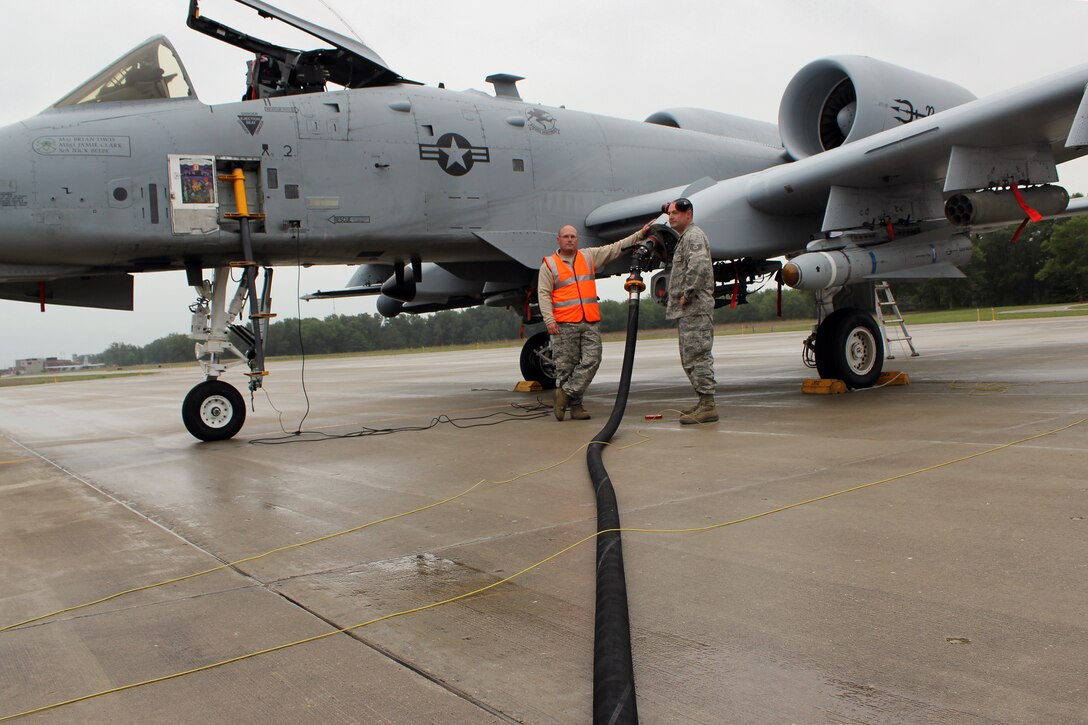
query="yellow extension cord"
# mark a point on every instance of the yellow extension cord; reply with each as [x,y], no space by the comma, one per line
[298,545]
[692,530]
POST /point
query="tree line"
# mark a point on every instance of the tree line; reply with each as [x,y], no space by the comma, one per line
[1047,264]
[475,325]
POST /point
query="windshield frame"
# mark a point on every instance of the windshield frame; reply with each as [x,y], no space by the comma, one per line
[115,84]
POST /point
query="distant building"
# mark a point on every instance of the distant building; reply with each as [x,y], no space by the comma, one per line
[30,366]
[39,365]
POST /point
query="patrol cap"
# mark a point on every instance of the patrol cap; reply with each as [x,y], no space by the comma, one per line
[682,205]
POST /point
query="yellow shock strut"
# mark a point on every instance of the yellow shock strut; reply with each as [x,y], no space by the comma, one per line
[237,176]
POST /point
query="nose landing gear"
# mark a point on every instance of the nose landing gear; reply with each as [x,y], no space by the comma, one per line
[213,411]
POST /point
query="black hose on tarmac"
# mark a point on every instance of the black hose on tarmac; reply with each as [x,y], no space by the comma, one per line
[613,667]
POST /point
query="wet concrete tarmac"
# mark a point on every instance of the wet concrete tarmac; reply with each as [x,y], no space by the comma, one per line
[953,590]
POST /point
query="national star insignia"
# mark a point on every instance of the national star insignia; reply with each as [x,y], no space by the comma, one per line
[454,153]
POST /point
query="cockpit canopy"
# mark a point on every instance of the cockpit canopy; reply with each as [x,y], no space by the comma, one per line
[152,71]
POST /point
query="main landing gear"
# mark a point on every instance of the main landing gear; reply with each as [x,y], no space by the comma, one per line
[849,348]
[847,345]
[536,360]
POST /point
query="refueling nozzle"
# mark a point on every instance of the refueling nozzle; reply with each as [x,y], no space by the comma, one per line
[641,256]
[661,240]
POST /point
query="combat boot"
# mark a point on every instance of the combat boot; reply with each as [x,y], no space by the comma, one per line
[692,408]
[705,412]
[562,400]
[577,412]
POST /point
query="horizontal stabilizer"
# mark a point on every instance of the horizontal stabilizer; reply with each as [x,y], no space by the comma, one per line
[345,292]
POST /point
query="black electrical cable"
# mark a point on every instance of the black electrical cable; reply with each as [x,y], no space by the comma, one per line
[525,412]
[298,313]
[613,666]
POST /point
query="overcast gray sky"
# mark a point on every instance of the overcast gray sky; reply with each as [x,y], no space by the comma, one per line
[614,57]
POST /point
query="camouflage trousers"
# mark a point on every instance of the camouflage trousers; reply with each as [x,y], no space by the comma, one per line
[696,341]
[576,352]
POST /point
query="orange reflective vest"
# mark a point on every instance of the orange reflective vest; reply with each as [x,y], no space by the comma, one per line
[574,292]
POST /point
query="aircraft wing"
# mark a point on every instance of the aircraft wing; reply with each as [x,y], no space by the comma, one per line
[67,285]
[904,173]
[526,247]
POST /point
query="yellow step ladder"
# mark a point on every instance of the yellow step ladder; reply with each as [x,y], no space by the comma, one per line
[890,318]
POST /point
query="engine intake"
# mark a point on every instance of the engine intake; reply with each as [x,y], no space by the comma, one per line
[836,100]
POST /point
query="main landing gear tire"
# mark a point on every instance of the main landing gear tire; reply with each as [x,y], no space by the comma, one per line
[536,360]
[850,348]
[213,411]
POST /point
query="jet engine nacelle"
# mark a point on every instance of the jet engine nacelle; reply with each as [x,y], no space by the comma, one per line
[1002,206]
[824,270]
[435,285]
[840,99]
[368,275]
[436,290]
[717,123]
[389,307]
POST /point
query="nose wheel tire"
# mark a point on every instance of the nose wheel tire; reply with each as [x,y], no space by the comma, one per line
[536,360]
[850,348]
[213,411]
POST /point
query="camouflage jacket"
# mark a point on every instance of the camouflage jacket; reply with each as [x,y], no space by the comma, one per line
[692,275]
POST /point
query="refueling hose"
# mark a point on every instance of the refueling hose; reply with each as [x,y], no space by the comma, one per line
[613,667]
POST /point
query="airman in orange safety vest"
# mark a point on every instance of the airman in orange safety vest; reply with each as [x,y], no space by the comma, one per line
[567,291]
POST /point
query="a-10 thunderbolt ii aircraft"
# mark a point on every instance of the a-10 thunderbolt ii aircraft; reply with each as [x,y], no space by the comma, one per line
[450,199]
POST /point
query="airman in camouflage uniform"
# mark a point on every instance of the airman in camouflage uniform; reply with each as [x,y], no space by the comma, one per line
[576,341]
[691,304]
